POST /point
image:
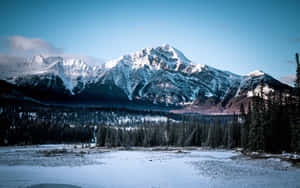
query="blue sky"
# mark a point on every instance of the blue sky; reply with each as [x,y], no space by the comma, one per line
[240,36]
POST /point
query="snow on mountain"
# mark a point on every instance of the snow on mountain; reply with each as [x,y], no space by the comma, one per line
[161,75]
[256,73]
[266,90]
[70,71]
[162,57]
[164,75]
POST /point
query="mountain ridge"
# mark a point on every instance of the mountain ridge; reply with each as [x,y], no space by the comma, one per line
[161,76]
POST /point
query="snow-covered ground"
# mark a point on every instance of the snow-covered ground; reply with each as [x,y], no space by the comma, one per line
[64,164]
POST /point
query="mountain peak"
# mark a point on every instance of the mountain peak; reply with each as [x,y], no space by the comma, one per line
[166,45]
[161,57]
[173,53]
[256,73]
[36,59]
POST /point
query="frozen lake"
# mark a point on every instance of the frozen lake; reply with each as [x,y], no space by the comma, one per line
[62,164]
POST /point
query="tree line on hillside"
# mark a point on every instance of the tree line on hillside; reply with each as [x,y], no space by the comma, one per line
[72,115]
[185,133]
[272,123]
[37,124]
[23,131]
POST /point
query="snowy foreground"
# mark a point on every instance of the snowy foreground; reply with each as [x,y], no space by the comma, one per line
[64,166]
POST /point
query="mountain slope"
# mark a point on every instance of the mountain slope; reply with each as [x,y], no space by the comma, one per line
[164,75]
[159,76]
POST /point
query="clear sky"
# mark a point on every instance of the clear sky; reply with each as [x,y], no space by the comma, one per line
[238,35]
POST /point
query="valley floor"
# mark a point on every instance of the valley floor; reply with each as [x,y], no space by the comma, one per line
[66,165]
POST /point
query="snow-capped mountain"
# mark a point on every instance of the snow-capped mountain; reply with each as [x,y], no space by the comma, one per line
[31,71]
[161,75]
[164,75]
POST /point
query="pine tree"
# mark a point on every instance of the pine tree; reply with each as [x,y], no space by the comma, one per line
[211,139]
[256,130]
[245,126]
[168,131]
[218,132]
[297,81]
[229,141]
[295,122]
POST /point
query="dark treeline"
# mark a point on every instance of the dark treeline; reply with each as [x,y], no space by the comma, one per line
[28,123]
[71,115]
[272,123]
[61,125]
[90,115]
[189,132]
[40,127]
[15,130]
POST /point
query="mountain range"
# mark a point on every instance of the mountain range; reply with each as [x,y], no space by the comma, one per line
[161,77]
